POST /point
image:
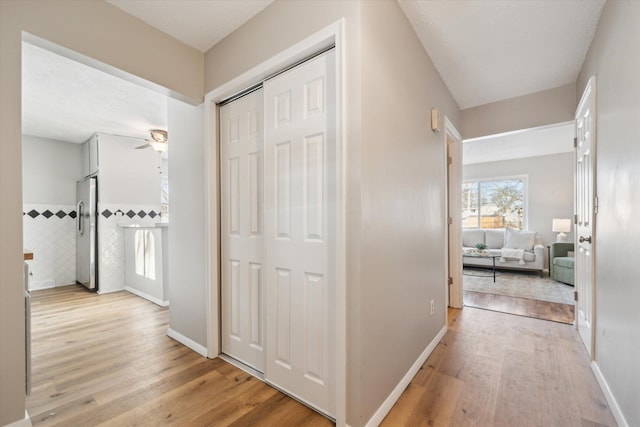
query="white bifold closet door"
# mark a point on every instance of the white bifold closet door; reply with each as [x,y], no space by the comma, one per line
[300,231]
[278,248]
[242,219]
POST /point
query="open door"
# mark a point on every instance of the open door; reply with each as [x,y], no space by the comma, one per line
[586,208]
[453,142]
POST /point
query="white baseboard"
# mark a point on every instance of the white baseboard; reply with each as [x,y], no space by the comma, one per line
[35,285]
[109,291]
[393,397]
[198,348]
[146,296]
[25,422]
[613,404]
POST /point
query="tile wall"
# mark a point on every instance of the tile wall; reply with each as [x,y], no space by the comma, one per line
[49,232]
[111,239]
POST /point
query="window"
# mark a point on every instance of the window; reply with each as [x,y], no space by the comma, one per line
[494,203]
[145,253]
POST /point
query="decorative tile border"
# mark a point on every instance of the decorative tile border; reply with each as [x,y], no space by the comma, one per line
[54,242]
[47,213]
[111,269]
[34,213]
[131,214]
[49,231]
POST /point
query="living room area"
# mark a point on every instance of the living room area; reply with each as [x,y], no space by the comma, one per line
[517,231]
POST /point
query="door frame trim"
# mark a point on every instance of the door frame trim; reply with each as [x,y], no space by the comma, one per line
[330,35]
[454,292]
[589,94]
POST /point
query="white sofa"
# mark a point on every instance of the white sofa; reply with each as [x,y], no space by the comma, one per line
[496,239]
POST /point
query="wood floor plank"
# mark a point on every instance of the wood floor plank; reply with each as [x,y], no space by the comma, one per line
[402,411]
[490,369]
[477,401]
[235,404]
[106,360]
[493,369]
[279,411]
[545,310]
[437,405]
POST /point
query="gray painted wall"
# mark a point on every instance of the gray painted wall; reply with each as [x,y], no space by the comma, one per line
[523,112]
[549,188]
[403,201]
[187,237]
[50,170]
[613,58]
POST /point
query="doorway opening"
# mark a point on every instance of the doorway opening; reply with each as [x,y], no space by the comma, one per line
[514,185]
[79,122]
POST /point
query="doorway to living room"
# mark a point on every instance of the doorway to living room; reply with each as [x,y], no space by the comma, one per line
[516,187]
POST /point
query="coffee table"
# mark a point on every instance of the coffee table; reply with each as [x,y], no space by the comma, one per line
[477,255]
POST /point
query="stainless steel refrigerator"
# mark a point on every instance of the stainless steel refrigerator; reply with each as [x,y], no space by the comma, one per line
[86,233]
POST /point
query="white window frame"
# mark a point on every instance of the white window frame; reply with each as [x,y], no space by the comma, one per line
[525,205]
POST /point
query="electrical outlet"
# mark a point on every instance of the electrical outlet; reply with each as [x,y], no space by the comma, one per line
[433,307]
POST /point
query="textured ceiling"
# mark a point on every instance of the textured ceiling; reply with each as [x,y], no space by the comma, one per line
[540,141]
[492,50]
[197,23]
[68,101]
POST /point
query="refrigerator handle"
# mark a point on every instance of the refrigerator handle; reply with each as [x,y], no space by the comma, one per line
[80,218]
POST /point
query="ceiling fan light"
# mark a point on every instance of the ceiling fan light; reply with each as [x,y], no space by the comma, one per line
[160,147]
[159,135]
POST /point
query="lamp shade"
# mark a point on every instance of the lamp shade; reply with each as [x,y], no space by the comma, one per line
[561,225]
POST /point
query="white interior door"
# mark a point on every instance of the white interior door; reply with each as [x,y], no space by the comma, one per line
[242,218]
[585,220]
[300,231]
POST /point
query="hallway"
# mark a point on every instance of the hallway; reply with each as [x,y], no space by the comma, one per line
[106,360]
[495,369]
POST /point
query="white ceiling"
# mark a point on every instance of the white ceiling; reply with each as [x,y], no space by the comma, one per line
[535,142]
[197,23]
[65,100]
[491,50]
[485,51]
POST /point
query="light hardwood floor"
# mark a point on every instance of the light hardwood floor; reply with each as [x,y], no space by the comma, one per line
[544,310]
[106,360]
[496,369]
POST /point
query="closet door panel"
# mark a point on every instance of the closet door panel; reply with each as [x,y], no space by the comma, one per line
[241,184]
[300,171]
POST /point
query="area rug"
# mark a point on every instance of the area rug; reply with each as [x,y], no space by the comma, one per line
[517,284]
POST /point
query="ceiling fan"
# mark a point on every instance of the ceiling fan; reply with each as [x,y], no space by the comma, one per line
[159,141]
